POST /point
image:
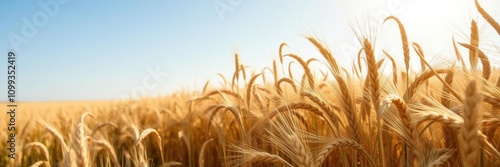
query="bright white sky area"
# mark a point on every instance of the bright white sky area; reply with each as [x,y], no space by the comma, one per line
[100,50]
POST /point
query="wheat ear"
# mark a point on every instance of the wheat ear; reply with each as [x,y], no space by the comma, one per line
[458,54]
[39,163]
[452,91]
[404,113]
[326,54]
[100,126]
[201,159]
[281,52]
[474,41]
[484,59]
[250,155]
[472,116]
[307,71]
[404,40]
[145,133]
[250,89]
[332,146]
[487,17]
[109,150]
[41,146]
[394,68]
[80,141]
[287,80]
[58,136]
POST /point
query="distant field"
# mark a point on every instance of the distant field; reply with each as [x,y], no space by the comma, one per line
[53,105]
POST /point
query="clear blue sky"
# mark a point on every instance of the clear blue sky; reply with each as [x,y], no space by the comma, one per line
[95,50]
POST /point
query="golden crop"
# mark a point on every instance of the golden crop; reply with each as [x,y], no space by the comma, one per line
[440,116]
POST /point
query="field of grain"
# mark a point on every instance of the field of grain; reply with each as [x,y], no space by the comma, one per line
[444,115]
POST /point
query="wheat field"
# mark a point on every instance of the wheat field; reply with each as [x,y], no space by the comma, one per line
[445,115]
